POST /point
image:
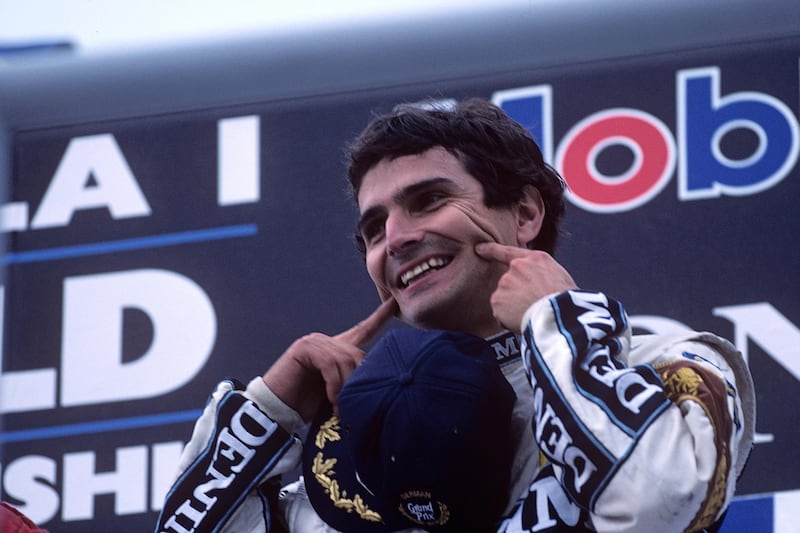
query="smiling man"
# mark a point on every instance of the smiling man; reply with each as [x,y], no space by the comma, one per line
[459,219]
[423,213]
[422,217]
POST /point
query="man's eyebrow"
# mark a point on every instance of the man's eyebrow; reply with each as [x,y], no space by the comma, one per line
[401,196]
[420,186]
[370,214]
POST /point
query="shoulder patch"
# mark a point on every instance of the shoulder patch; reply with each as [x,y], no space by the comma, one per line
[689,381]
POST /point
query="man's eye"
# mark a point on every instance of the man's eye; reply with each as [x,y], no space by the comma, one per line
[371,231]
[430,200]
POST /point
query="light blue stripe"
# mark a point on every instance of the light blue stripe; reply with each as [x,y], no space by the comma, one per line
[85,428]
[124,245]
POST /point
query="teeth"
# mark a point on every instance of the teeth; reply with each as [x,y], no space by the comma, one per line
[434,262]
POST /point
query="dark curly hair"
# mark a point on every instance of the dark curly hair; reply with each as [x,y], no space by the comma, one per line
[494,149]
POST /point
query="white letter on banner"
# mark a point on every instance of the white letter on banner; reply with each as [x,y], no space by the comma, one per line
[14,216]
[30,479]
[128,483]
[164,458]
[16,387]
[769,329]
[238,160]
[184,331]
[114,187]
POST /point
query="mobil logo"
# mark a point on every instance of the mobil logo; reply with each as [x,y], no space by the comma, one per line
[706,122]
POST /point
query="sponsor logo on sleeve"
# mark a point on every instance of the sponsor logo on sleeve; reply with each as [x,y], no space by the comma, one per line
[244,448]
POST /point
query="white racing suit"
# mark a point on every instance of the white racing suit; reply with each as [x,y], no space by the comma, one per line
[615,435]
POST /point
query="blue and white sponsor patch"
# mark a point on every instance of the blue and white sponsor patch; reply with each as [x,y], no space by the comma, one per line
[245,446]
[506,347]
[585,463]
[592,327]
[632,397]
[546,508]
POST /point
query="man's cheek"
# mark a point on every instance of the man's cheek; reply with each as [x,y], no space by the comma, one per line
[375,269]
[383,293]
[483,226]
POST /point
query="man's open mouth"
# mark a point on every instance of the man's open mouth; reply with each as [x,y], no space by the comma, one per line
[426,267]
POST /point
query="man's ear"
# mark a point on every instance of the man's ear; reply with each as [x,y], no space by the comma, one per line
[530,215]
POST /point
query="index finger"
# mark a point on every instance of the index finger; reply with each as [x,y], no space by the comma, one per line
[499,252]
[364,331]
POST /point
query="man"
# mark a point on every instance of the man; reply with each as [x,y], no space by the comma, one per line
[459,217]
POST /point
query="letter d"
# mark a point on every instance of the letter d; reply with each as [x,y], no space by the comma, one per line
[184,331]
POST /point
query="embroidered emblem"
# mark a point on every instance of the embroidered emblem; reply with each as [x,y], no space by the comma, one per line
[419,507]
[683,381]
[328,432]
[324,474]
[686,380]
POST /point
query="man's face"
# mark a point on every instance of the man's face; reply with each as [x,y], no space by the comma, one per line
[421,217]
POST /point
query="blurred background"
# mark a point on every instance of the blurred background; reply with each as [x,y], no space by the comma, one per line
[92,27]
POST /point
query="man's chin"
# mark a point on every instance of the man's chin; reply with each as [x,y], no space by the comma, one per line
[433,317]
[419,317]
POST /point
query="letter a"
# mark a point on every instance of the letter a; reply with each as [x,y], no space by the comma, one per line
[97,157]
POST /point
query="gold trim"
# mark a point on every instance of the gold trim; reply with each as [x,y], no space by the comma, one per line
[324,474]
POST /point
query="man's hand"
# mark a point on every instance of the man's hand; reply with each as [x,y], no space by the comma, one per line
[531,275]
[316,366]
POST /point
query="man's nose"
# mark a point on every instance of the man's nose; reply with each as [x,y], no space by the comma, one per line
[401,231]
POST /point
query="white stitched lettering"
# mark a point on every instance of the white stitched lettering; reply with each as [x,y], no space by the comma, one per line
[422,512]
[233,450]
[261,420]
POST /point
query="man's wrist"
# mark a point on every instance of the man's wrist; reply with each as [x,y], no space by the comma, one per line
[288,418]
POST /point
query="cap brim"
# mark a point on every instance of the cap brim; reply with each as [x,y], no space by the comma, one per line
[331,480]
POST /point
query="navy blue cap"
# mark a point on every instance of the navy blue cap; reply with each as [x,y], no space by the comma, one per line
[423,438]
